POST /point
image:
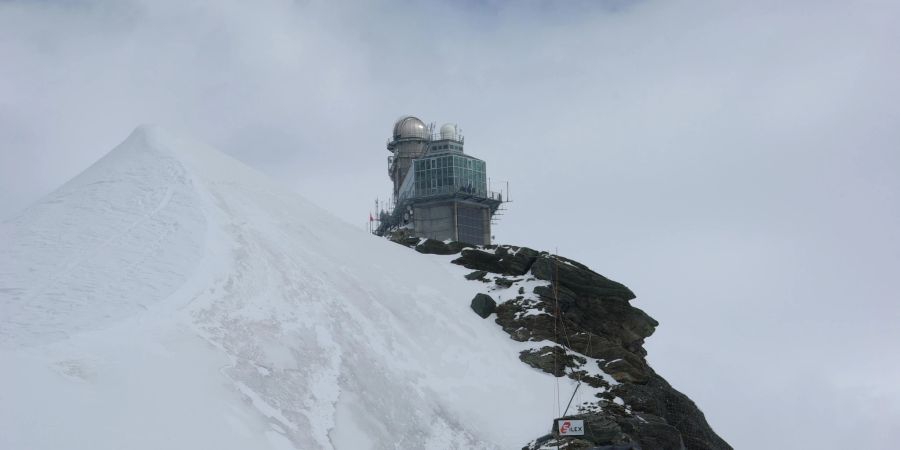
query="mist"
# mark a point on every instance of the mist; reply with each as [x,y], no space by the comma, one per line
[736,165]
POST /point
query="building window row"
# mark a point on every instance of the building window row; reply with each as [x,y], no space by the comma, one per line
[446,147]
[448,174]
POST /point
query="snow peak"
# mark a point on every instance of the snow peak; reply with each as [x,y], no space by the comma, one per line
[571,428]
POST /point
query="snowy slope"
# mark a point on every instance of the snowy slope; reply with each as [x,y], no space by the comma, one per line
[170,297]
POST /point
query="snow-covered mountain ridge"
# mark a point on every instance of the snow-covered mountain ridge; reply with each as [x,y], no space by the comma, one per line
[170,297]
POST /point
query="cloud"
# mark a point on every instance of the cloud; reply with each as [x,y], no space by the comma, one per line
[735,164]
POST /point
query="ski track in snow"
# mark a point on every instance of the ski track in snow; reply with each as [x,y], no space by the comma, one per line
[170,297]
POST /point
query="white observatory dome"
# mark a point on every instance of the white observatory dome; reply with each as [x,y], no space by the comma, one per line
[449,131]
[410,127]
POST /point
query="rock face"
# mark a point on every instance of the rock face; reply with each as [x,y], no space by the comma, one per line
[504,260]
[598,339]
[483,305]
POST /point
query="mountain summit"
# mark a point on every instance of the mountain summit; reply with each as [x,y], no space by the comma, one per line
[171,297]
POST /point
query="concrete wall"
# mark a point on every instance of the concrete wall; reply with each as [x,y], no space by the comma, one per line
[435,221]
[439,220]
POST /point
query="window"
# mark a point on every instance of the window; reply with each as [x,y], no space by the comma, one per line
[448,174]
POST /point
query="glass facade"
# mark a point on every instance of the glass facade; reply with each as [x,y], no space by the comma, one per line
[445,146]
[446,174]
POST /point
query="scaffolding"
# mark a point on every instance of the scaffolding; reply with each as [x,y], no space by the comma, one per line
[439,191]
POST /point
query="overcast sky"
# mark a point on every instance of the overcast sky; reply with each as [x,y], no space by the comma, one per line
[735,163]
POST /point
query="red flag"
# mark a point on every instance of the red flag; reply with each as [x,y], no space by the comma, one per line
[371,219]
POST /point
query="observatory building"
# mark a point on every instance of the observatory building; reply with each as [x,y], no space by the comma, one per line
[439,191]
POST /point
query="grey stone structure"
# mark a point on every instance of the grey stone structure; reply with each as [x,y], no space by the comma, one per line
[439,191]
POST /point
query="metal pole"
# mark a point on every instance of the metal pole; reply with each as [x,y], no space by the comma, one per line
[456,220]
[571,398]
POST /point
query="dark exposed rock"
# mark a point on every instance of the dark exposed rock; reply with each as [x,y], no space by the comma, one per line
[624,371]
[590,380]
[477,275]
[603,347]
[599,329]
[553,360]
[611,428]
[585,313]
[435,247]
[578,278]
[506,260]
[483,305]
[652,432]
[659,398]
[524,327]
[504,282]
[539,442]
[404,238]
[609,316]
[612,331]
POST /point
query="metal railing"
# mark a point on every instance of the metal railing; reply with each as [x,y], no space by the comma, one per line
[389,214]
[450,190]
[428,136]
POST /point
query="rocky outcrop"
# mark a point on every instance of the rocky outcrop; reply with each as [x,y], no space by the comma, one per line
[596,337]
[478,275]
[554,360]
[483,305]
[439,248]
[505,260]
[658,398]
[577,278]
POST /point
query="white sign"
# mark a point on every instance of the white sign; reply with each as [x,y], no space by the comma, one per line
[571,427]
